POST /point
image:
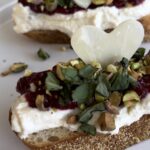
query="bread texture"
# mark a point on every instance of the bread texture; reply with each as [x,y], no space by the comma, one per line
[55,36]
[49,36]
[146,24]
[63,139]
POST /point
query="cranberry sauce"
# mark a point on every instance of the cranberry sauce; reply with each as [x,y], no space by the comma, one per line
[143,86]
[34,85]
[75,8]
[123,3]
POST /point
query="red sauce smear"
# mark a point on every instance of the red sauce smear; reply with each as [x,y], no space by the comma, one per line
[143,86]
[38,79]
[75,8]
[23,87]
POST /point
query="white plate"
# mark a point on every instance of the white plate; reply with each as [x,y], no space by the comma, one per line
[16,48]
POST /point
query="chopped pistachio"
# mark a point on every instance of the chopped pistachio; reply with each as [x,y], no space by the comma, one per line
[135,74]
[27,73]
[96,65]
[40,102]
[130,104]
[142,71]
[74,62]
[80,65]
[147,59]
[59,71]
[18,67]
[63,48]
[131,95]
[82,106]
[108,2]
[135,66]
[42,54]
[15,68]
[106,121]
[5,73]
[115,98]
[72,119]
[111,68]
[111,108]
[99,2]
[110,75]
[99,98]
[147,69]
[130,99]
[51,5]
[35,1]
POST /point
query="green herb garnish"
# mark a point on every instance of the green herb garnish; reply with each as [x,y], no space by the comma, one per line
[103,86]
[87,114]
[65,3]
[42,54]
[121,79]
[81,93]
[88,129]
[93,89]
[139,54]
[87,71]
[52,83]
[70,74]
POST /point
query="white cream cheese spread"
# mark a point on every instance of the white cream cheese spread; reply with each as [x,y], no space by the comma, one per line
[26,120]
[103,17]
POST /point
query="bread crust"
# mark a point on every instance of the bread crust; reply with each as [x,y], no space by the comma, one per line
[55,36]
[49,36]
[146,24]
[127,136]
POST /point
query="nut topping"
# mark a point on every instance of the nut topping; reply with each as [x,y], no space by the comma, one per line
[72,119]
[111,108]
[40,102]
[106,121]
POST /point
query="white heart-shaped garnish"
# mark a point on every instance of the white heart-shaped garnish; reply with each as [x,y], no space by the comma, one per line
[92,44]
[83,3]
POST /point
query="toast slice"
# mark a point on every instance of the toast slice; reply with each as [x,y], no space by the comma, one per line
[63,139]
[55,36]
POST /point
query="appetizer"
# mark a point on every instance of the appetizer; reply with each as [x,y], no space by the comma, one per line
[55,21]
[86,104]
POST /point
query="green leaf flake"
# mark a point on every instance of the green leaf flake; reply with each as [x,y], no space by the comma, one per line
[66,94]
[65,3]
[81,93]
[103,86]
[88,129]
[87,114]
[61,3]
[70,74]
[42,54]
[52,83]
[139,54]
[87,71]
[120,81]
[124,62]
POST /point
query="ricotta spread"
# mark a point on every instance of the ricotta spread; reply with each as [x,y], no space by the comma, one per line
[103,17]
[26,120]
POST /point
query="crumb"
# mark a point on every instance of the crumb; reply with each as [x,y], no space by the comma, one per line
[63,48]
